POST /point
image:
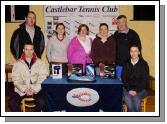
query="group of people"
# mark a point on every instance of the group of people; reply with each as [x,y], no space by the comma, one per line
[123,48]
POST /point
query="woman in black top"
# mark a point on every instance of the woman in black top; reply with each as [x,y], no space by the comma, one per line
[135,78]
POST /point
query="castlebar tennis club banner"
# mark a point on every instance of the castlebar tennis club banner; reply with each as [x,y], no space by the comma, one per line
[72,16]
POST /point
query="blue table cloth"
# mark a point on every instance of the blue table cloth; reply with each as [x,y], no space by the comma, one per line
[109,90]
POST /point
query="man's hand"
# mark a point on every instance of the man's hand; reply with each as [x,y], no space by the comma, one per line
[132,92]
[29,91]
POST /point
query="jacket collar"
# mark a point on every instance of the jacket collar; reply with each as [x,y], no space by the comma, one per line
[126,31]
[23,57]
[23,25]
[99,36]
[134,63]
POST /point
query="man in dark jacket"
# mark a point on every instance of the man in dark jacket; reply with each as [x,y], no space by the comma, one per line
[27,32]
[135,77]
[124,38]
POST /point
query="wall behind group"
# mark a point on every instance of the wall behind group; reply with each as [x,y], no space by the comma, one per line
[145,29]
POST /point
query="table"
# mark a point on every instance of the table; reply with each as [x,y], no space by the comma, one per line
[109,91]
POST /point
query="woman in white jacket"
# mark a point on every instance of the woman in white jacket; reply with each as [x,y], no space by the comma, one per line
[27,75]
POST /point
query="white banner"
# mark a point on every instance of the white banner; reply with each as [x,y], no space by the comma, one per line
[73,16]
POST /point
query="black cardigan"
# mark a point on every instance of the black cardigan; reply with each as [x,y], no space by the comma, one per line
[136,77]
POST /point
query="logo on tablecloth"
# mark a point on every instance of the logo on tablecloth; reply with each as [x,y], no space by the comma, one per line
[82,97]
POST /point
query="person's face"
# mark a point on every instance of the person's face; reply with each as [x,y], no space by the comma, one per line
[60,30]
[103,30]
[29,50]
[30,19]
[83,31]
[122,24]
[134,52]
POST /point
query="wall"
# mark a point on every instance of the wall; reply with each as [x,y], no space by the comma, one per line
[145,29]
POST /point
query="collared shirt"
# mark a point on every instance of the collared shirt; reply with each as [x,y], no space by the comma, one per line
[126,31]
[133,63]
[28,60]
[30,32]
